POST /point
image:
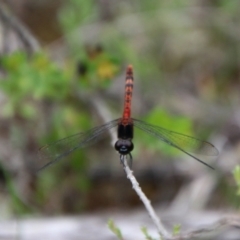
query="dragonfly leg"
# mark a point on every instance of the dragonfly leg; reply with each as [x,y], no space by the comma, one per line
[130,160]
[123,160]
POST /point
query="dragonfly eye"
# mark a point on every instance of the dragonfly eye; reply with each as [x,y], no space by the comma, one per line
[124,146]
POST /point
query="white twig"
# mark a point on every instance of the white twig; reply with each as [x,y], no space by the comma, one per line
[161,229]
[201,232]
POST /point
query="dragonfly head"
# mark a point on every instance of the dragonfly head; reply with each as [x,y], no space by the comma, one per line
[124,146]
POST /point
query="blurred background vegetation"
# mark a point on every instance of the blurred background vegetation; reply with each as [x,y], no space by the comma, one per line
[186,58]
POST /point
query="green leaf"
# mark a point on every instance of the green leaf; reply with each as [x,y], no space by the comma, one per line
[115,229]
[146,234]
[236,175]
[176,229]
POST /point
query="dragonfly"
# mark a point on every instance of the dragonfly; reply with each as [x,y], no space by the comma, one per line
[60,149]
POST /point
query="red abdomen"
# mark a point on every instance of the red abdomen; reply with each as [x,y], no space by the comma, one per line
[128,95]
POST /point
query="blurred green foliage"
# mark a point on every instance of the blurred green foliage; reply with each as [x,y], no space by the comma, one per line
[45,96]
[77,12]
[160,117]
[96,68]
[17,204]
[36,78]
[236,175]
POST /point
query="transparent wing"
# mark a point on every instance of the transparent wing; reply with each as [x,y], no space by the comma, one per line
[53,152]
[180,141]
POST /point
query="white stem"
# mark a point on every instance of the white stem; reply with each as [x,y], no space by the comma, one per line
[161,229]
